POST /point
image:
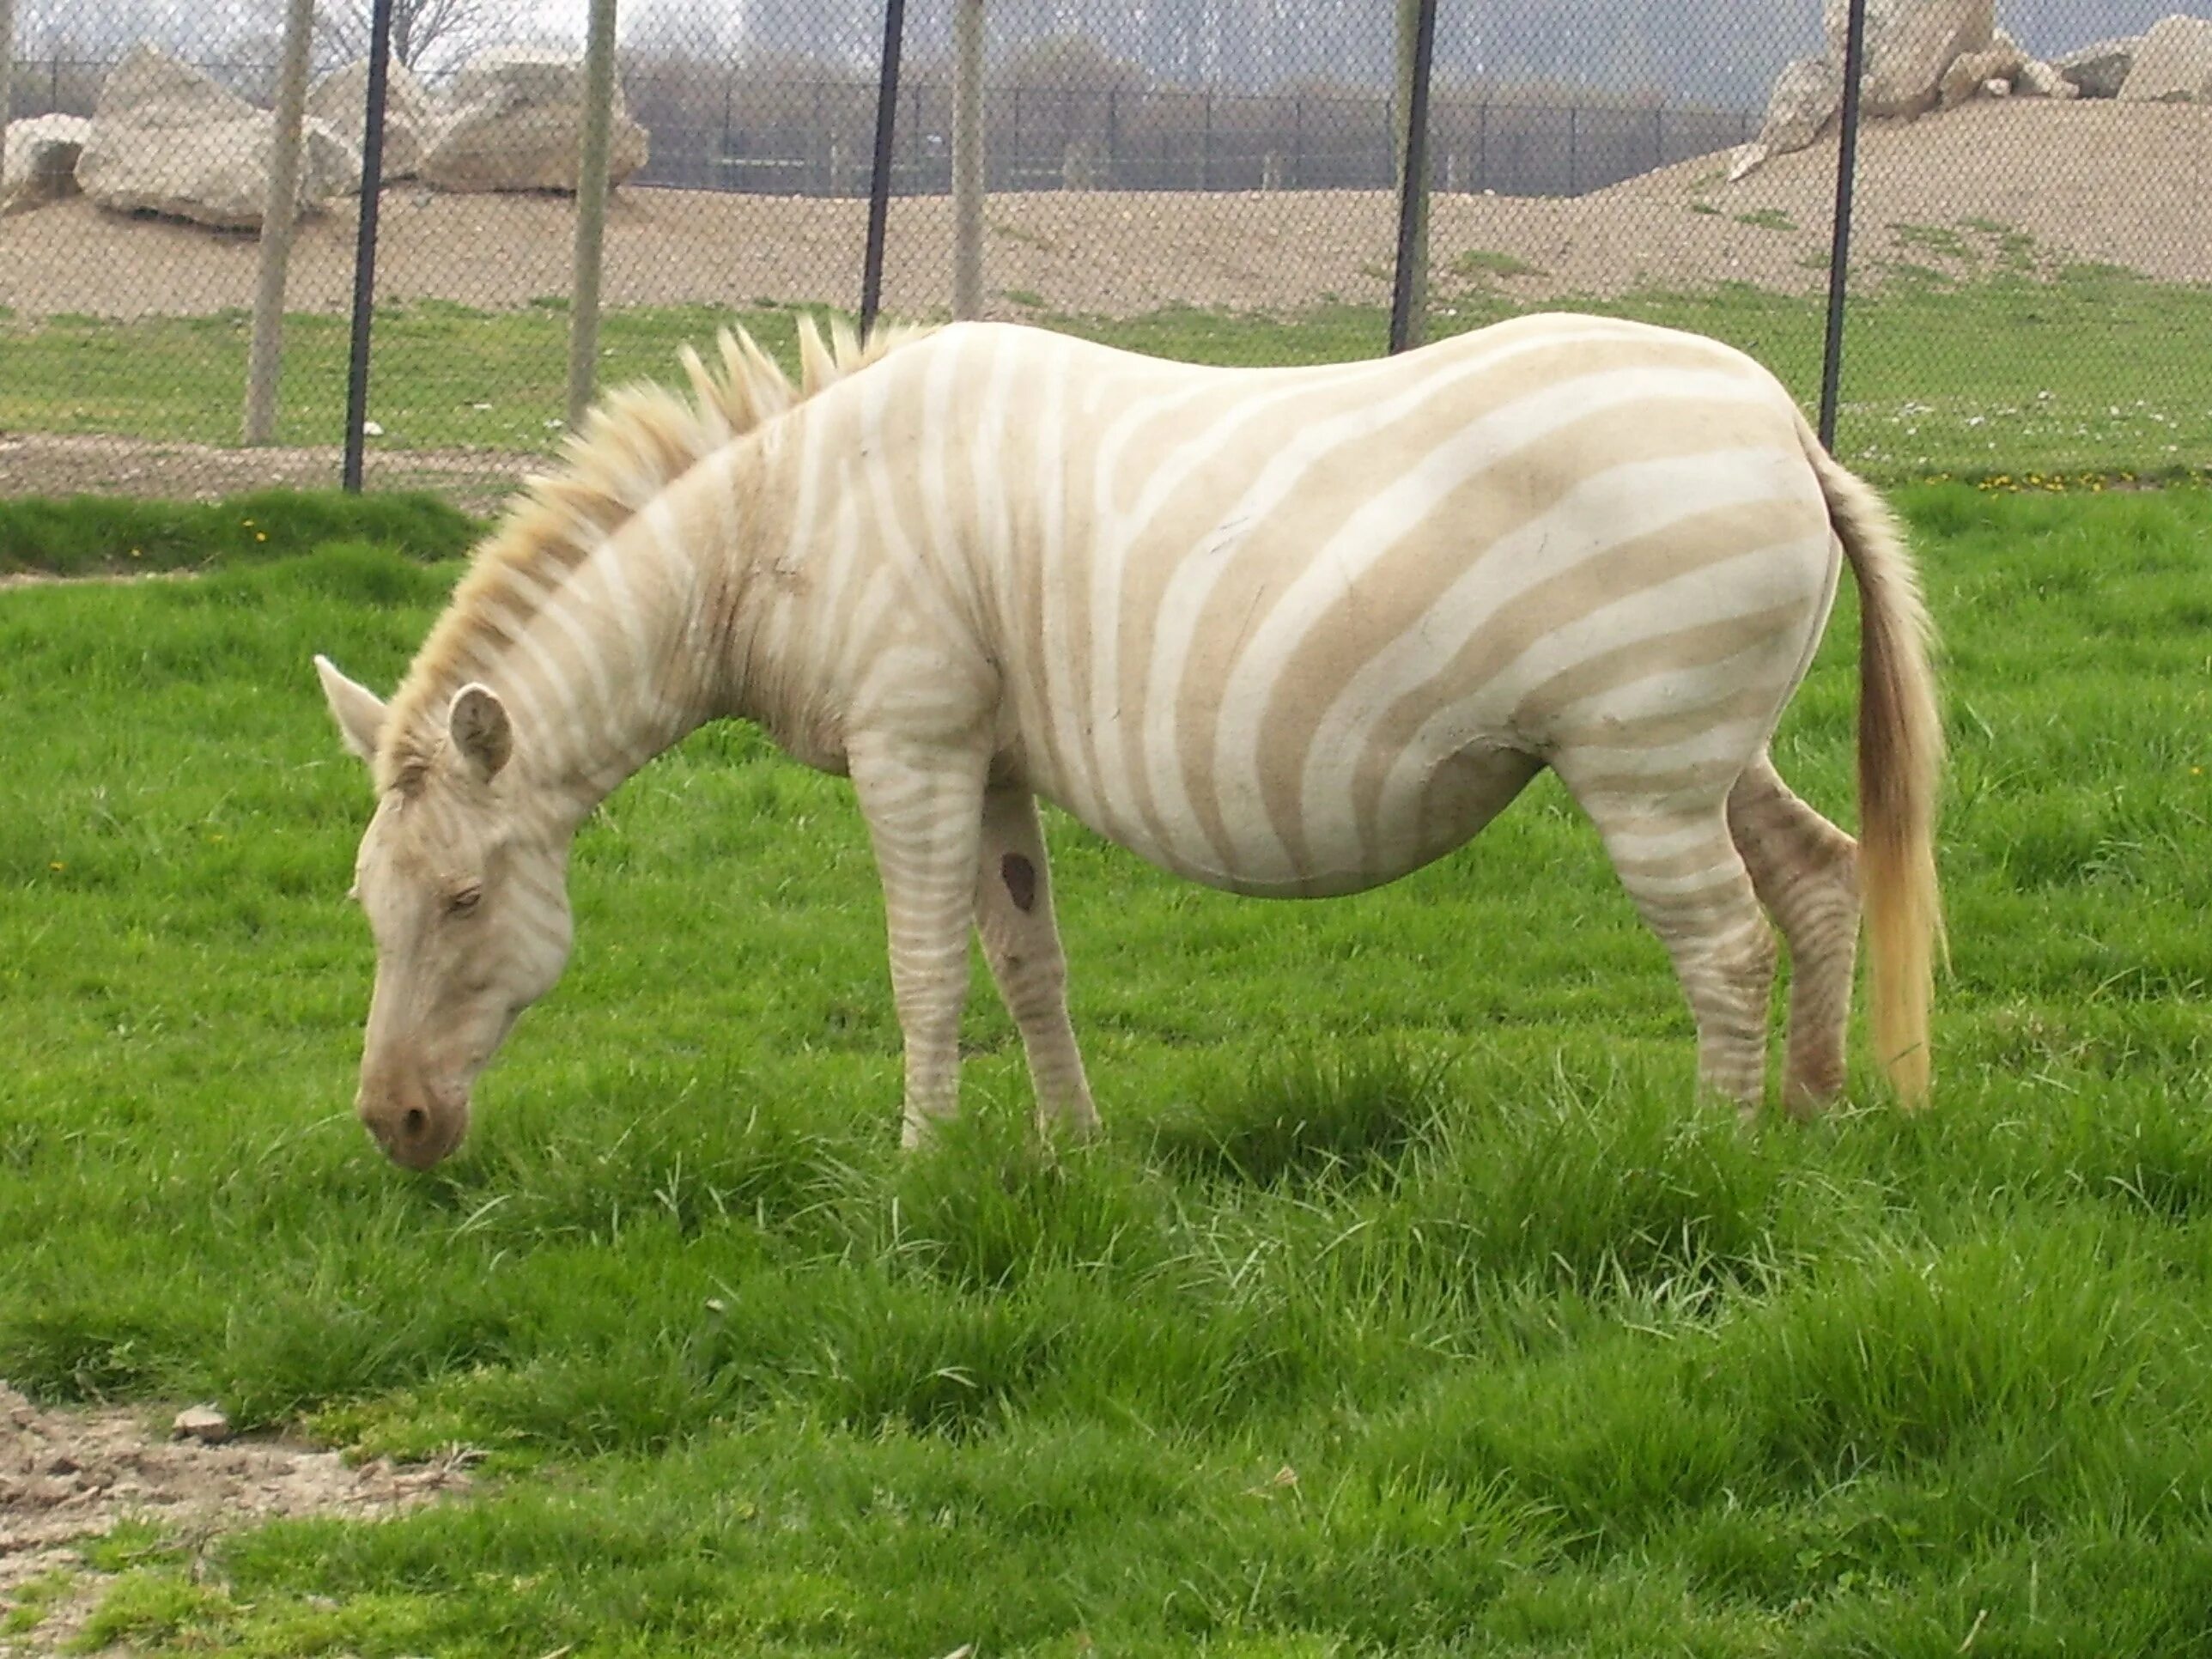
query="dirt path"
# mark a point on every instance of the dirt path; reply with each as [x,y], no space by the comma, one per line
[70,1477]
[44,464]
[2122,183]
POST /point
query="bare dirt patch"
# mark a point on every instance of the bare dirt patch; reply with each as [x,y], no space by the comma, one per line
[54,464]
[69,1477]
[2090,180]
[2087,180]
[14,579]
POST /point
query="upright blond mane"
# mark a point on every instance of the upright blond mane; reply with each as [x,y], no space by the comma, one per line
[637,441]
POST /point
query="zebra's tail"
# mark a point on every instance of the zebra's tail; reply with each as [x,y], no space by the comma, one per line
[1900,760]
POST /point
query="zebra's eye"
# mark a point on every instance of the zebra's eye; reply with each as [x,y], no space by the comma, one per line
[462,900]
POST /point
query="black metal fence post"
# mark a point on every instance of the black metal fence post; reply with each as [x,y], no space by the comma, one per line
[1840,252]
[880,184]
[1413,185]
[364,247]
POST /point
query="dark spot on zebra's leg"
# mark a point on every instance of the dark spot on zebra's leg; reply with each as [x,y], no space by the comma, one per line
[1020,877]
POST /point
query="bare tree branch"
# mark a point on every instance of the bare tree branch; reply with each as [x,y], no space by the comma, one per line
[425,34]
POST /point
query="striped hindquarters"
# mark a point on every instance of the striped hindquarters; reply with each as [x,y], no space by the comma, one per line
[1291,630]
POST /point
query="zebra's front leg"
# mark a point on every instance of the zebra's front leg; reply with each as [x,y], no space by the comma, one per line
[1021,941]
[924,808]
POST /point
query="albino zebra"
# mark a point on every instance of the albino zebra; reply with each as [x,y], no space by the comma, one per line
[1286,631]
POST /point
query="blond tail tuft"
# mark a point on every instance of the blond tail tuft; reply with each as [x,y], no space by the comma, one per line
[1901,765]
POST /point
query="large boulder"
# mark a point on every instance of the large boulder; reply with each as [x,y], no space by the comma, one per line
[2173,64]
[2037,79]
[2001,62]
[1805,98]
[515,120]
[167,139]
[1807,94]
[40,165]
[340,100]
[1909,46]
[2099,70]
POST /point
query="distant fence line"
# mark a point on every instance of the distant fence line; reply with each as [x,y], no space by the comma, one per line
[811,139]
[742,132]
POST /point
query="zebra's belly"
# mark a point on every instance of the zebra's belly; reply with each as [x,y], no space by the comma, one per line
[1268,716]
[1367,835]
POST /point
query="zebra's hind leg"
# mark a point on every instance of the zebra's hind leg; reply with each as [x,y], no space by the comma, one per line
[1805,872]
[1021,941]
[1681,867]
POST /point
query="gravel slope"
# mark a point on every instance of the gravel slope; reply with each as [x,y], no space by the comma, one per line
[2122,183]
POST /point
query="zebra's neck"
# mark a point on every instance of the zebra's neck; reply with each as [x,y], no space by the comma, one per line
[806,539]
[626,657]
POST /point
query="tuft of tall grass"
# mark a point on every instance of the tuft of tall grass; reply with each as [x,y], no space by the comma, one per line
[1306,1116]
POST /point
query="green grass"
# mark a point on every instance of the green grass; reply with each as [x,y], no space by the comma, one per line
[1022,233]
[100,533]
[1985,361]
[1481,264]
[444,375]
[33,1598]
[2093,370]
[1407,1307]
[1943,241]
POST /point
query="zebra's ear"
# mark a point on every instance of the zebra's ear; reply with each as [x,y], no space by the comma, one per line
[478,726]
[358,710]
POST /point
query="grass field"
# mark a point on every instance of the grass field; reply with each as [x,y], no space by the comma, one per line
[2092,369]
[1407,1306]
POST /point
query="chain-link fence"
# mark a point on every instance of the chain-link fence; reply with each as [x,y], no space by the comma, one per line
[1217,178]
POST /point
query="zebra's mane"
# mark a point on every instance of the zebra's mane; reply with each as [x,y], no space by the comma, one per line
[637,441]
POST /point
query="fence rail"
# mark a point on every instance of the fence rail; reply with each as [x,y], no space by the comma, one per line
[812,137]
[1048,138]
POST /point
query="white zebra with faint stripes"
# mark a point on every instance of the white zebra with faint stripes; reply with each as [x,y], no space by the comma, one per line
[1286,631]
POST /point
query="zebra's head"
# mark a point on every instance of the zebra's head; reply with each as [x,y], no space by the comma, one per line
[467,899]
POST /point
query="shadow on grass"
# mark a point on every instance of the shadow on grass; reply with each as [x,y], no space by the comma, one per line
[1310,1118]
